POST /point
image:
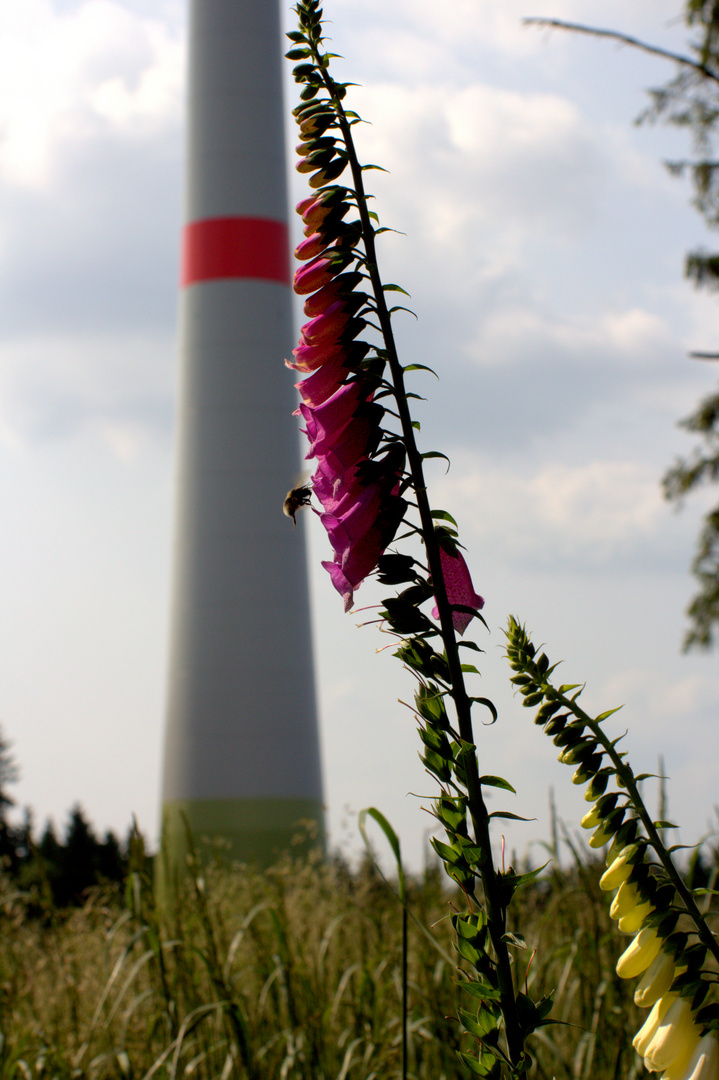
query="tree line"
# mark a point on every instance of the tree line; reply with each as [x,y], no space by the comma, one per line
[57,871]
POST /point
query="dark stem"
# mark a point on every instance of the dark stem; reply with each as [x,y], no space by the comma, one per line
[496,922]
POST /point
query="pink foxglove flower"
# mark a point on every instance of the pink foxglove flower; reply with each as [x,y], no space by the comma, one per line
[458,584]
[358,492]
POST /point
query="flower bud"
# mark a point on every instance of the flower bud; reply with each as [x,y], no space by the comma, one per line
[596,787]
[637,957]
[599,811]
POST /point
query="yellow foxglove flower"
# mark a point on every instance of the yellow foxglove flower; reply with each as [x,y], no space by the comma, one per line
[674,1040]
[656,980]
[625,900]
[618,869]
[591,819]
[599,838]
[630,923]
[646,1032]
[704,1062]
[637,957]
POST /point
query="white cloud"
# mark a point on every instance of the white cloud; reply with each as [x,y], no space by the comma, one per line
[631,337]
[66,77]
[113,387]
[554,512]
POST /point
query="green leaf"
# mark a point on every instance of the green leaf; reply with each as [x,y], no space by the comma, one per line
[514,939]
[496,781]
[437,741]
[480,1025]
[416,425]
[442,515]
[394,288]
[450,814]
[484,1065]
[392,838]
[437,765]
[467,951]
[377,168]
[436,454]
[509,816]
[609,712]
[488,705]
[420,367]
[446,853]
[477,988]
[399,307]
[664,825]
[469,669]
[521,879]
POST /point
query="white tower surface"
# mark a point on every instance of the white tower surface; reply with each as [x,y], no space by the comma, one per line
[242,752]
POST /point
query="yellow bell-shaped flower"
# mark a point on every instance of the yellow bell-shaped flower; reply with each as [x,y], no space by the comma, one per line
[646,1032]
[655,981]
[637,957]
[674,1040]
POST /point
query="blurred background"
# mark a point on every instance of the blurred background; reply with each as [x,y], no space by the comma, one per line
[543,242]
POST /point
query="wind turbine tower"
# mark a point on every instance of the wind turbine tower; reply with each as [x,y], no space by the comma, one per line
[242,752]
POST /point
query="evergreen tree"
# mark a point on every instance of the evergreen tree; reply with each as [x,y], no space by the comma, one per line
[78,860]
[9,774]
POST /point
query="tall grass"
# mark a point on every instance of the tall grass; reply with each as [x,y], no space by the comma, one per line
[292,973]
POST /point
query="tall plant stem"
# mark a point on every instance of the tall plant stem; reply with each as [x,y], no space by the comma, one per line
[496,922]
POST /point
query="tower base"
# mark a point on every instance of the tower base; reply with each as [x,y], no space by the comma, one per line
[253,831]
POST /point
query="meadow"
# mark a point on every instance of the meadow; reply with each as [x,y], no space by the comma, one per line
[295,973]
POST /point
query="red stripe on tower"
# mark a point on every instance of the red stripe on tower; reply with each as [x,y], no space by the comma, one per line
[235,247]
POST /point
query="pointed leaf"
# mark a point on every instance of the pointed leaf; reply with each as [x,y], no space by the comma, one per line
[420,367]
[442,515]
[488,705]
[496,781]
[514,939]
[392,838]
[436,454]
[609,712]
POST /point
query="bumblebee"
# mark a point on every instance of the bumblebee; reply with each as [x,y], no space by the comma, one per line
[295,500]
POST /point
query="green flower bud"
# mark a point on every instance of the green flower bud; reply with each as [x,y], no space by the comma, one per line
[569,735]
[597,785]
[581,751]
[588,771]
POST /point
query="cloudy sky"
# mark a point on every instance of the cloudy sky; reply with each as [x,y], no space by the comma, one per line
[542,242]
